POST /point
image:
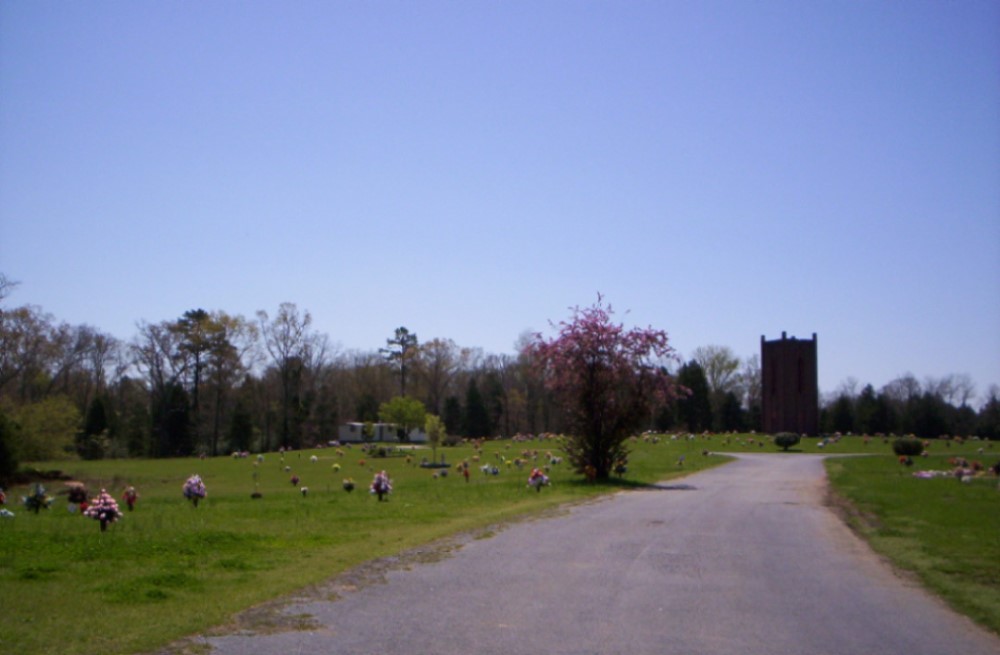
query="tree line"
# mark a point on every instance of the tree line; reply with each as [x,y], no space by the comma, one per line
[212,382]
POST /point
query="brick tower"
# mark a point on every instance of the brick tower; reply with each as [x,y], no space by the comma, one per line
[789,387]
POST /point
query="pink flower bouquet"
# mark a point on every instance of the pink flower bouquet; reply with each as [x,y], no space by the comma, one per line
[104,509]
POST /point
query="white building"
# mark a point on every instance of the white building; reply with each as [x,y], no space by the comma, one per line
[383,432]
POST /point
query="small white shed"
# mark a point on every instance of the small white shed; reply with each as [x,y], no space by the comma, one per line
[382,432]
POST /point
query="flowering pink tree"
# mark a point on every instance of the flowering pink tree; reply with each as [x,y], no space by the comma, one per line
[606,379]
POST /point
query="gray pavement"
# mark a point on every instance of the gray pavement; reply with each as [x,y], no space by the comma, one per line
[742,559]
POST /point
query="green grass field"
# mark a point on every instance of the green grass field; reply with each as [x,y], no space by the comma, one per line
[168,569]
[944,531]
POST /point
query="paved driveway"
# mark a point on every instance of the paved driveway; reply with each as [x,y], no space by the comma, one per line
[741,559]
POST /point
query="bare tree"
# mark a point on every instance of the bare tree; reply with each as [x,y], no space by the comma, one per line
[902,389]
[721,368]
[964,388]
[294,350]
[7,286]
[750,380]
[24,348]
[158,356]
[435,365]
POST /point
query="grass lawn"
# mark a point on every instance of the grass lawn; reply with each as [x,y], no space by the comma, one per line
[168,569]
[944,531]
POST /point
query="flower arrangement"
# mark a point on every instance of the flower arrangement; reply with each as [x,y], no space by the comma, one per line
[335,467]
[194,489]
[77,495]
[130,496]
[294,480]
[537,479]
[305,491]
[38,500]
[348,485]
[381,485]
[104,509]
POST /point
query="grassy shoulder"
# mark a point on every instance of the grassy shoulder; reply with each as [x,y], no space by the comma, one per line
[943,530]
[169,569]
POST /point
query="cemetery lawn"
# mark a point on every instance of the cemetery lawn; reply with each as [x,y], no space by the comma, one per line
[169,569]
[943,531]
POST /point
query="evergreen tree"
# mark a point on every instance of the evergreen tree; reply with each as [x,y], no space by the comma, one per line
[172,424]
[90,441]
[842,415]
[240,428]
[366,409]
[865,410]
[731,413]
[452,415]
[495,400]
[928,416]
[401,349]
[663,418]
[695,409]
[988,425]
[475,418]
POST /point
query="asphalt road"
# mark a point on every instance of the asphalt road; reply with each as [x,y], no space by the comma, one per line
[742,559]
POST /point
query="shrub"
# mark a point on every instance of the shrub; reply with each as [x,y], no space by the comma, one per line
[786,440]
[907,447]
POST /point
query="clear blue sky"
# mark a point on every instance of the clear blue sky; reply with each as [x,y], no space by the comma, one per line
[470,170]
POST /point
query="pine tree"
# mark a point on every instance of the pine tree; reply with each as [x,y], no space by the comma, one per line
[475,418]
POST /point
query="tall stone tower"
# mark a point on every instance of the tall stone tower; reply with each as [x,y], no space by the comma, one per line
[789,385]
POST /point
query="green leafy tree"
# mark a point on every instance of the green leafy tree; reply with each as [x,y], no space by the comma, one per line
[405,413]
[606,380]
[434,427]
[48,429]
